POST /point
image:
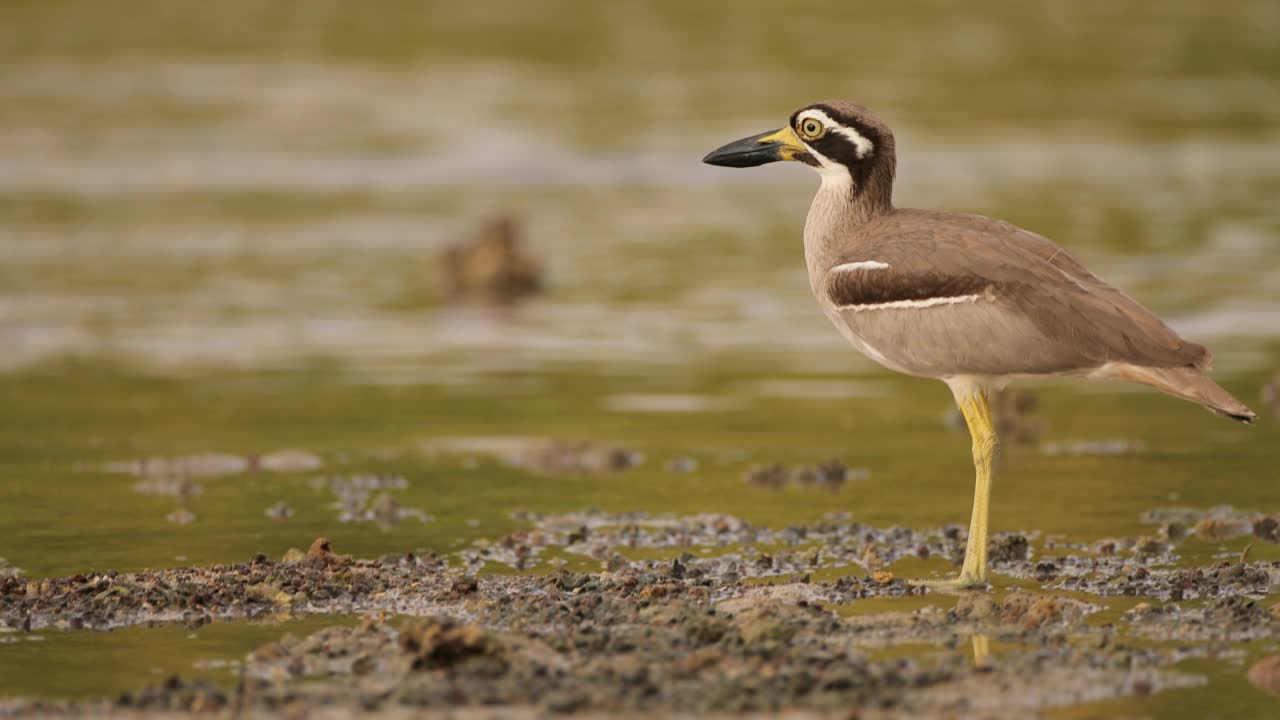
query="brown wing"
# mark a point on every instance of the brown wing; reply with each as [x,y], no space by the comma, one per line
[1020,303]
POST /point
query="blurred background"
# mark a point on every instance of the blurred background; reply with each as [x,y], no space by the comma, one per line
[397,272]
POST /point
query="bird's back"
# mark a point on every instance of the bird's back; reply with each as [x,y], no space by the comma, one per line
[1019,303]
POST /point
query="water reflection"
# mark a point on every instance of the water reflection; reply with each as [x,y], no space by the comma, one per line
[981,650]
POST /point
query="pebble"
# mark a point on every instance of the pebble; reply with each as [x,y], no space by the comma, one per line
[1265,675]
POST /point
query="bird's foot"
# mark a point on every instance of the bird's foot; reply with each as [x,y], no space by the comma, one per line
[966,581]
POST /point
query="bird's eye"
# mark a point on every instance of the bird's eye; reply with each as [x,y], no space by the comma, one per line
[811,128]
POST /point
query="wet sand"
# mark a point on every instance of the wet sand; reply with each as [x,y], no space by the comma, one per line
[751,629]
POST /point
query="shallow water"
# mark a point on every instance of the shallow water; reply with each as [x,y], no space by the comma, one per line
[219,236]
[105,664]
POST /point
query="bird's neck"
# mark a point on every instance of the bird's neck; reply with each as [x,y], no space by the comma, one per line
[838,210]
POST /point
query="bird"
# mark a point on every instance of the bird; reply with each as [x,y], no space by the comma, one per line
[969,300]
[491,266]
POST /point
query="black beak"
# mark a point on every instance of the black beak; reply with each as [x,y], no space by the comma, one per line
[747,152]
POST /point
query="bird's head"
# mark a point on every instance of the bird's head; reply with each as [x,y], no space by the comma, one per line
[842,141]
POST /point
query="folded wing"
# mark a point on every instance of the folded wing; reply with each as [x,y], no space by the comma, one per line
[939,294]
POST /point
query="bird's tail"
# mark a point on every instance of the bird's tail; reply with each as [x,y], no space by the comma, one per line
[1188,383]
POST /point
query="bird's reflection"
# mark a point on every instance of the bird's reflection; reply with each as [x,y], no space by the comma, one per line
[981,651]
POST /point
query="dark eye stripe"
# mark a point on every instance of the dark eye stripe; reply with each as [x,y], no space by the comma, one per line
[837,147]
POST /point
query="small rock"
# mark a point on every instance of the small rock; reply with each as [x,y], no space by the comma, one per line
[464,586]
[321,550]
[1265,675]
[833,474]
[1148,547]
[1174,531]
[558,457]
[7,570]
[440,643]
[1045,571]
[870,557]
[974,606]
[773,475]
[1034,611]
[1217,530]
[1268,528]
[1008,549]
[268,593]
[764,624]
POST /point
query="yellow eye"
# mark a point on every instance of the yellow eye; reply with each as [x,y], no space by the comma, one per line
[810,128]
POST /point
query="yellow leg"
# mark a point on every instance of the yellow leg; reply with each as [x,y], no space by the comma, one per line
[977,414]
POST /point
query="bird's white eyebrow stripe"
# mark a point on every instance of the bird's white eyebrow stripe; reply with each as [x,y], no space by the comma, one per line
[861,145]
[860,265]
[912,304]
